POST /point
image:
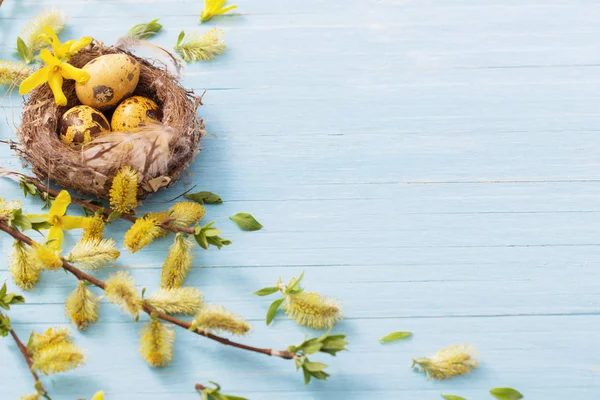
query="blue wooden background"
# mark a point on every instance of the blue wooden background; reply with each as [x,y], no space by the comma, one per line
[432,163]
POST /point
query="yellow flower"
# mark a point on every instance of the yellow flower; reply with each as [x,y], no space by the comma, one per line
[58,357]
[82,306]
[214,7]
[53,73]
[13,73]
[32,32]
[94,253]
[120,289]
[185,213]
[58,220]
[98,396]
[67,49]
[46,256]
[201,47]
[93,228]
[185,300]
[39,341]
[178,262]
[23,269]
[141,234]
[214,318]
[312,310]
[156,344]
[459,359]
[159,216]
[34,396]
[123,191]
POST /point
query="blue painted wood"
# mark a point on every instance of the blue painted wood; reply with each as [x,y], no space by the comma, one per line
[431,163]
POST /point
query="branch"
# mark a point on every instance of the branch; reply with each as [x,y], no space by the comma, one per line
[199,387]
[80,275]
[38,384]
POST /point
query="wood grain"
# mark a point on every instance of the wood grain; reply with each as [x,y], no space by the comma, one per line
[431,163]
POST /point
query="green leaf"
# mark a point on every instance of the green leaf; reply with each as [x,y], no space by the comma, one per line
[314,366]
[218,242]
[145,31]
[246,221]
[273,309]
[179,39]
[307,375]
[334,344]
[113,216]
[452,397]
[293,284]
[23,50]
[201,240]
[506,394]
[18,220]
[4,325]
[266,291]
[204,197]
[392,337]
[3,291]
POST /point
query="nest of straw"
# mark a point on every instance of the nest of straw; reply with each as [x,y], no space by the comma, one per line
[49,158]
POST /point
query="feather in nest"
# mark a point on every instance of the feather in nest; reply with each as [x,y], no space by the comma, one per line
[146,151]
[128,43]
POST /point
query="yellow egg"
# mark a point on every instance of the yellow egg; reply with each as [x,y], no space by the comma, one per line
[134,113]
[113,77]
[81,125]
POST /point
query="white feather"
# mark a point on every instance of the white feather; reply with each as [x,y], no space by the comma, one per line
[146,151]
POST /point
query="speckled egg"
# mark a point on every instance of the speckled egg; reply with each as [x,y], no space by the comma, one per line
[82,124]
[113,77]
[135,112]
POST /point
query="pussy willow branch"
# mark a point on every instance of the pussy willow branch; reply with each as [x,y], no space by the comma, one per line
[82,276]
[27,358]
[93,208]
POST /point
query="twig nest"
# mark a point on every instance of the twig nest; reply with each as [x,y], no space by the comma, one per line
[160,147]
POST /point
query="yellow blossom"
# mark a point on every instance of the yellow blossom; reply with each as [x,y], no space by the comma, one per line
[178,262]
[185,300]
[13,73]
[46,256]
[214,7]
[53,73]
[82,306]
[200,47]
[99,395]
[59,357]
[185,213]
[67,49]
[159,216]
[120,289]
[215,318]
[32,33]
[34,396]
[93,227]
[58,220]
[23,269]
[8,207]
[156,343]
[123,191]
[312,310]
[39,341]
[459,359]
[141,234]
[94,253]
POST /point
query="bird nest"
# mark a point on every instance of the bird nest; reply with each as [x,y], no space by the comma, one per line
[160,154]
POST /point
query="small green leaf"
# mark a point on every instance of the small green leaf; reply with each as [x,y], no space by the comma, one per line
[273,309]
[201,240]
[18,220]
[23,50]
[180,38]
[145,31]
[113,216]
[307,375]
[392,337]
[266,291]
[452,397]
[506,394]
[143,292]
[293,283]
[246,221]
[204,197]
[314,366]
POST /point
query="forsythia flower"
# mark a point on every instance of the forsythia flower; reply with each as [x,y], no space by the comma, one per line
[141,234]
[58,357]
[123,191]
[34,396]
[98,395]
[312,310]
[159,216]
[52,336]
[93,253]
[185,213]
[178,262]
[82,306]
[32,32]
[120,289]
[200,47]
[24,271]
[8,207]
[46,256]
[67,49]
[12,73]
[93,227]
[156,343]
[214,318]
[214,7]
[459,359]
[185,300]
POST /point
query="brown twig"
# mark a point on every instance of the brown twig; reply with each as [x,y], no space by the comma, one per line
[38,384]
[199,387]
[82,276]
